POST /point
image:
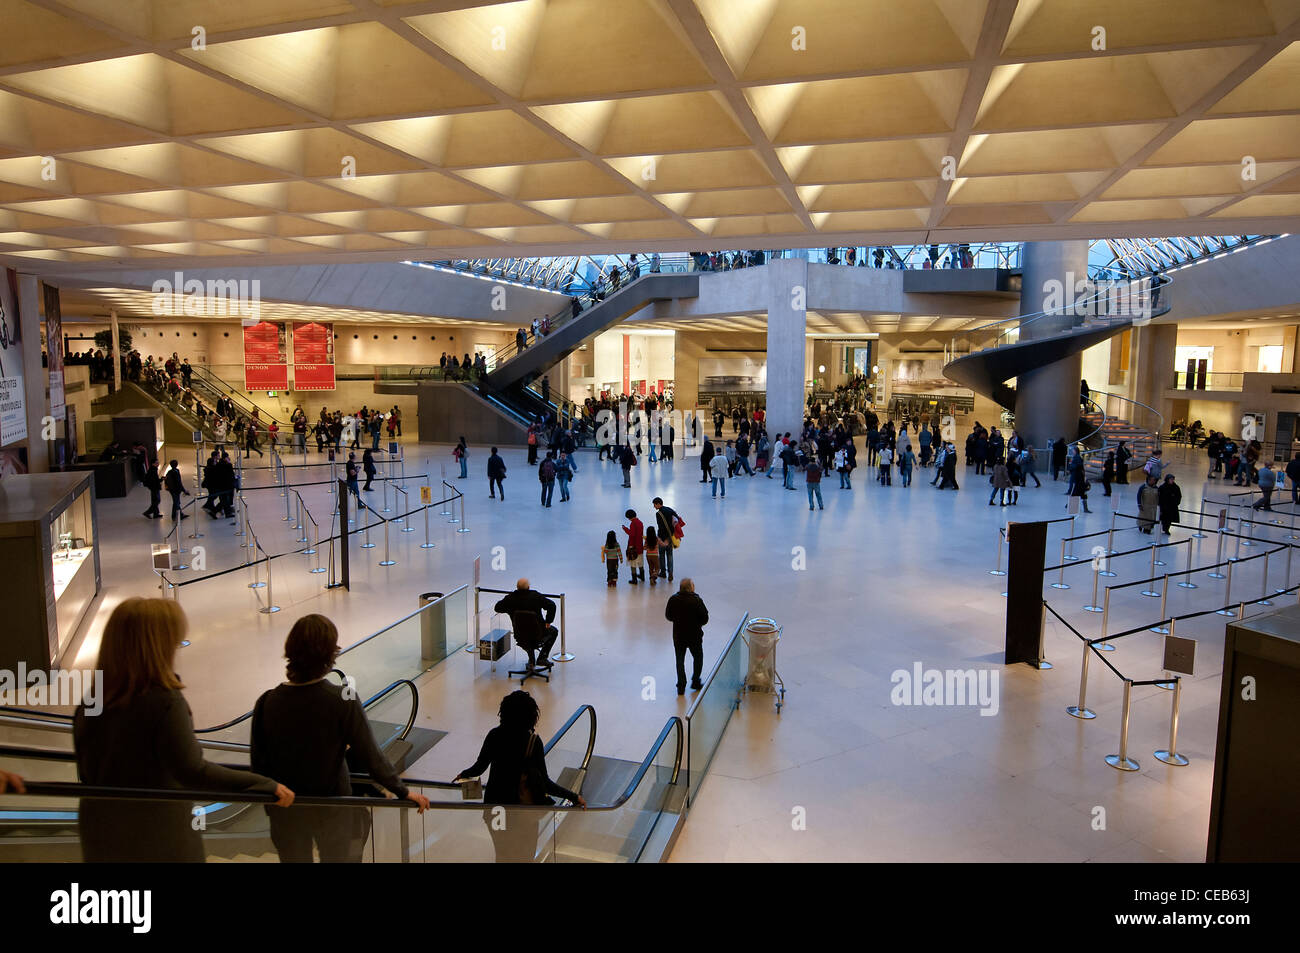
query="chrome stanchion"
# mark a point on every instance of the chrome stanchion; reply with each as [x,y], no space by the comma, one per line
[257,582]
[404,519]
[1250,532]
[1082,710]
[444,511]
[1286,581]
[1167,686]
[387,560]
[1293,532]
[315,549]
[286,518]
[1096,574]
[368,544]
[270,599]
[1170,755]
[194,502]
[1148,592]
[999,571]
[1159,628]
[384,484]
[1187,583]
[463,528]
[1105,623]
[1263,600]
[1227,595]
[1122,761]
[1218,559]
[1071,557]
[565,655]
[1200,524]
[426,544]
[1060,576]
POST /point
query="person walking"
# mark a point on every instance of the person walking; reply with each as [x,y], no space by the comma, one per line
[842,468]
[1058,458]
[1267,482]
[688,614]
[906,461]
[461,453]
[144,738]
[368,467]
[350,474]
[1001,481]
[652,554]
[1293,474]
[635,531]
[718,474]
[1078,481]
[706,460]
[626,460]
[1028,468]
[667,524]
[176,488]
[949,468]
[1148,501]
[496,471]
[1168,497]
[154,485]
[886,462]
[563,475]
[1108,472]
[310,734]
[546,475]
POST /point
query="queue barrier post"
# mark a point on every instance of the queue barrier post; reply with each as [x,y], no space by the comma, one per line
[1060,576]
[1105,620]
[387,560]
[999,571]
[444,511]
[1263,599]
[1170,755]
[367,544]
[426,544]
[194,502]
[1159,627]
[1071,557]
[1187,583]
[1227,595]
[404,519]
[1082,710]
[1121,761]
[565,655]
[463,528]
[1096,574]
[1149,592]
[1218,559]
[1200,524]
[1286,581]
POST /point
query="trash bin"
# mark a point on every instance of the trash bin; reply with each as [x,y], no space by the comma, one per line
[761,636]
[433,630]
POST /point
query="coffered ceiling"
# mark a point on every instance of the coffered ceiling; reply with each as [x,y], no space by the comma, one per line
[278,131]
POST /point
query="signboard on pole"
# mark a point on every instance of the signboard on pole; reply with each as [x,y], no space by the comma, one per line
[1180,655]
[426,495]
[265,356]
[313,356]
[54,347]
[13,399]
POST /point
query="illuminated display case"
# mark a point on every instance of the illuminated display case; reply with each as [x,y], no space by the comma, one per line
[48,546]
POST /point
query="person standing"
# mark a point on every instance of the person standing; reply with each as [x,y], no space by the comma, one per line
[906,461]
[666,520]
[1079,480]
[154,485]
[1028,468]
[351,475]
[1293,474]
[1058,458]
[842,468]
[1148,501]
[368,467]
[1168,497]
[635,531]
[813,479]
[496,471]
[308,732]
[626,460]
[718,474]
[1001,481]
[612,555]
[563,474]
[886,461]
[461,453]
[1108,472]
[949,468]
[652,554]
[176,488]
[688,614]
[1267,482]
[546,475]
[706,459]
[144,738]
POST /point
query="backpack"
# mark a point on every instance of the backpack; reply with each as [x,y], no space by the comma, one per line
[532,438]
[547,470]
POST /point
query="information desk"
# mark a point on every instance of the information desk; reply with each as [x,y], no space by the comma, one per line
[48,547]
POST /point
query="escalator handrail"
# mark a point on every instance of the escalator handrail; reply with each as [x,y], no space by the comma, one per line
[76,790]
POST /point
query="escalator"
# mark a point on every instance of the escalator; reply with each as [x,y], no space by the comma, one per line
[515,367]
[633,809]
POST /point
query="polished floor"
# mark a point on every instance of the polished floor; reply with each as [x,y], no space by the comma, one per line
[883,579]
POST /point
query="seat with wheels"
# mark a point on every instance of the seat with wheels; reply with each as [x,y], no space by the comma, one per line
[536,638]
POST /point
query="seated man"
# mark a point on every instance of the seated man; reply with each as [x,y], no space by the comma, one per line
[527,600]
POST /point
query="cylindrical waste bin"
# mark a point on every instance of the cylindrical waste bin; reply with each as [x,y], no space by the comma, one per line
[761,636]
[433,629]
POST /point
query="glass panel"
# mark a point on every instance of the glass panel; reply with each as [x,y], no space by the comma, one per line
[410,646]
[708,717]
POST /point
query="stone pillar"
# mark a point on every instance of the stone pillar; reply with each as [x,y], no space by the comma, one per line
[787,339]
[1047,398]
[34,375]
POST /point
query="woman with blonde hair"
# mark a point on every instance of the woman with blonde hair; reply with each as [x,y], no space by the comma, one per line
[144,738]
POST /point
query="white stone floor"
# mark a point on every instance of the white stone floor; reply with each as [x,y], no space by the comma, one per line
[892,576]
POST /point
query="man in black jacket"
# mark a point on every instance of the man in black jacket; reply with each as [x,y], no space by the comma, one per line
[524,599]
[154,486]
[172,481]
[686,611]
[665,518]
[496,471]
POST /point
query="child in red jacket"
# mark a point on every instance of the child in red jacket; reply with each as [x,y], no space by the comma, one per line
[635,546]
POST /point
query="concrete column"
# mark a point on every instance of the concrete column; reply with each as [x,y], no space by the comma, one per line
[117,353]
[34,376]
[1047,398]
[787,340]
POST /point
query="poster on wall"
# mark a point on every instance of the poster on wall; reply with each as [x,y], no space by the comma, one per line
[54,348]
[732,374]
[13,402]
[265,357]
[313,356]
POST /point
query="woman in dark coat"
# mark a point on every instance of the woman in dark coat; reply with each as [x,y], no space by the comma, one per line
[144,738]
[517,759]
[368,466]
[1170,497]
[1108,472]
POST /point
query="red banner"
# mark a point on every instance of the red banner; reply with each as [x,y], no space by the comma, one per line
[265,362]
[313,356]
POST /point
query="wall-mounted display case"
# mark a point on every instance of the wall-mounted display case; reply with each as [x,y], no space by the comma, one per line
[48,546]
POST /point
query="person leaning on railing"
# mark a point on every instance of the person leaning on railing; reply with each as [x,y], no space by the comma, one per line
[144,738]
